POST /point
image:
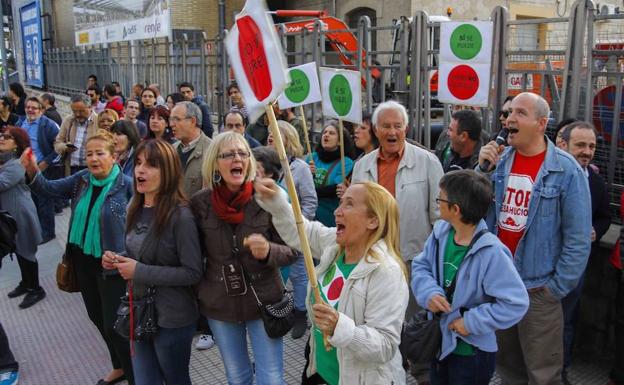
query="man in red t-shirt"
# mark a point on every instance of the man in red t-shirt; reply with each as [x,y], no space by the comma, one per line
[542,213]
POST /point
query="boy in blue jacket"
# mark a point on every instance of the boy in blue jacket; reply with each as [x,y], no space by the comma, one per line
[477,290]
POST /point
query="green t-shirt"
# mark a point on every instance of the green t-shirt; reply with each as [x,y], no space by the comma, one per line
[453,256]
[330,285]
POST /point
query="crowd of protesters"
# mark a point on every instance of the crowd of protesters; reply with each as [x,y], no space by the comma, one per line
[492,238]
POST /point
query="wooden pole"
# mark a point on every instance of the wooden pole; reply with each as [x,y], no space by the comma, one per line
[294,201]
[342,155]
[305,130]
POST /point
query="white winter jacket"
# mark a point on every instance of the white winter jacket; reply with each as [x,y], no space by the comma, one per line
[371,306]
[416,187]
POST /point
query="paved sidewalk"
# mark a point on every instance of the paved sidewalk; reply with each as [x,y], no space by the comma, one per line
[55,343]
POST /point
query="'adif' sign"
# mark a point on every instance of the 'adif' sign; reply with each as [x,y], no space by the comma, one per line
[465,62]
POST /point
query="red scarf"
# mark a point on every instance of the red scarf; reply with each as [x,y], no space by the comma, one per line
[228,205]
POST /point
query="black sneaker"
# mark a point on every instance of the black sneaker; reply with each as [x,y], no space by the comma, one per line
[301,324]
[33,296]
[18,291]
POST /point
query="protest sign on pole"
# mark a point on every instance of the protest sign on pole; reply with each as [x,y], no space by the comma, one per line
[303,88]
[465,62]
[342,94]
[260,69]
[257,58]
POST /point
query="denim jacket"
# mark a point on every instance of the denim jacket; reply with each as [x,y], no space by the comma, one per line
[556,243]
[113,215]
[489,293]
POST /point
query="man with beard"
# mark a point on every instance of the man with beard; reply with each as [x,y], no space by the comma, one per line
[579,140]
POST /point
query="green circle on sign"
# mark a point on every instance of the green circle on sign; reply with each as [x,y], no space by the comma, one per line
[299,88]
[466,41]
[340,95]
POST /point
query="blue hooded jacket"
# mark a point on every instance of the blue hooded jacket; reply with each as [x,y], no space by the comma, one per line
[488,288]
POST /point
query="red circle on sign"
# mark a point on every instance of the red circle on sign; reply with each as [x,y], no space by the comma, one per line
[253,57]
[463,82]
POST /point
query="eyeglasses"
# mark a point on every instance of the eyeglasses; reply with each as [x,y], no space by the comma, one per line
[175,119]
[232,155]
[438,200]
[504,113]
[6,137]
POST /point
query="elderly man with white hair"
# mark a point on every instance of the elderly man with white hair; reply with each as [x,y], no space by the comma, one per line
[410,173]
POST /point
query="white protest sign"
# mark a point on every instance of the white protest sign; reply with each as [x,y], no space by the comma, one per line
[303,89]
[257,57]
[465,62]
[342,94]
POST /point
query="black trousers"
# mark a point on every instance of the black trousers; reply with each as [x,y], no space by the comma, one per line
[316,379]
[7,361]
[30,272]
[101,295]
[617,374]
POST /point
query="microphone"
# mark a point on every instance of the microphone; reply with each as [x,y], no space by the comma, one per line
[501,138]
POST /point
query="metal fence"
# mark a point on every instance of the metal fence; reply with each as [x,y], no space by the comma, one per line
[161,61]
[575,62]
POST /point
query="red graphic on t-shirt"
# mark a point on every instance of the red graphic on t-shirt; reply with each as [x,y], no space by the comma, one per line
[514,212]
[335,289]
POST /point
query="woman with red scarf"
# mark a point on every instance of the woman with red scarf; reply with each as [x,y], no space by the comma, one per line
[243,254]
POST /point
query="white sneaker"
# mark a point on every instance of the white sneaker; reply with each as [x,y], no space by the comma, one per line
[204,342]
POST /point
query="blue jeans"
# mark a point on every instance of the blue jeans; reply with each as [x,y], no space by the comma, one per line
[45,210]
[569,305]
[165,359]
[231,338]
[299,279]
[464,370]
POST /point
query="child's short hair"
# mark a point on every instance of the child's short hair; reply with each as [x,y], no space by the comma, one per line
[469,190]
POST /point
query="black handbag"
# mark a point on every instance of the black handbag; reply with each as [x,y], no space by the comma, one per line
[421,337]
[136,319]
[279,317]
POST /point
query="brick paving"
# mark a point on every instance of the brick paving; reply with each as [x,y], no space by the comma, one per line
[55,343]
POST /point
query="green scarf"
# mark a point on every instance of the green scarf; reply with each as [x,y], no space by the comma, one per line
[90,242]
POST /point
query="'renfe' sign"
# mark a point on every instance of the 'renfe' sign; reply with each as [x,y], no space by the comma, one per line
[123,20]
[465,62]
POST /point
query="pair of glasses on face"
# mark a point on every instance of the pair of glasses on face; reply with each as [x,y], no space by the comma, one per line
[232,155]
[438,200]
[5,136]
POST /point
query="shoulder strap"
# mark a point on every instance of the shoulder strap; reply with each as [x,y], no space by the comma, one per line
[329,170]
[451,289]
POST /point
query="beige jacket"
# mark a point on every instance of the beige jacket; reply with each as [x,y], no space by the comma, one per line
[371,307]
[193,181]
[67,134]
[417,187]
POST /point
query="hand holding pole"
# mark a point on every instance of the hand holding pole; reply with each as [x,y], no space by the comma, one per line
[294,200]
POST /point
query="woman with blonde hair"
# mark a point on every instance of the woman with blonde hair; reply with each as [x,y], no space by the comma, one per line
[106,119]
[99,196]
[304,186]
[243,254]
[360,269]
